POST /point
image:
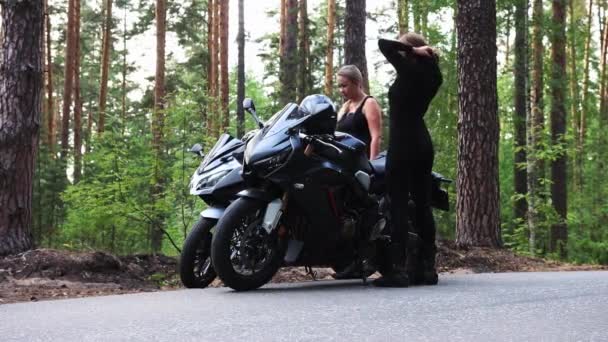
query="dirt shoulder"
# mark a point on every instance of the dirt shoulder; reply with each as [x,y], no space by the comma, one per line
[44,274]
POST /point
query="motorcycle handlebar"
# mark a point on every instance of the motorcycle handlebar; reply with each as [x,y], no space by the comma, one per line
[338,146]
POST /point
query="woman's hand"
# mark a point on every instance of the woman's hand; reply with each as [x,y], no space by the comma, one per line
[425,51]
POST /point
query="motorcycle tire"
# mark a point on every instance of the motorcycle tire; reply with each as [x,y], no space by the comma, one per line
[195,267]
[224,247]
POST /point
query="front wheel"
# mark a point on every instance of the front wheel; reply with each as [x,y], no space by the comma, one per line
[244,255]
[195,268]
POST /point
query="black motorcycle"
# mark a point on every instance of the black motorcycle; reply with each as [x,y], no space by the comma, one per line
[216,181]
[311,199]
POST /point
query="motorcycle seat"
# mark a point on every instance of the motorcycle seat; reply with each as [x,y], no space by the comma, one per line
[379,165]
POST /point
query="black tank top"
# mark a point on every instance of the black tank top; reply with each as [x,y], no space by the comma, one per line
[355,124]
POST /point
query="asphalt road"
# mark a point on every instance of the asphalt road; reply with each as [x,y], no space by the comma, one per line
[563,306]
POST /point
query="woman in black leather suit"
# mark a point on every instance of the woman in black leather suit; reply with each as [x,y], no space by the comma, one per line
[410,157]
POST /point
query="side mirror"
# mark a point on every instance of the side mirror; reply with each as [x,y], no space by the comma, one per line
[250,107]
[248,104]
[197,149]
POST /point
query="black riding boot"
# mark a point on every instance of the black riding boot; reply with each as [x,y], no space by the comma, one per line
[427,260]
[397,275]
[421,269]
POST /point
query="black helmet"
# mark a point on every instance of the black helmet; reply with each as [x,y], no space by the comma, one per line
[322,112]
[315,104]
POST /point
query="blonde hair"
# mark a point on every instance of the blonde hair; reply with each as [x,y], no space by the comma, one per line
[352,73]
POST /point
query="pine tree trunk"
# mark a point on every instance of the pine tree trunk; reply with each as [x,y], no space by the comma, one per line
[508,40]
[21,96]
[452,100]
[210,8]
[574,99]
[585,105]
[304,51]
[290,58]
[521,107]
[329,52]
[212,67]
[559,232]
[477,197]
[156,234]
[416,15]
[424,17]
[240,112]
[224,65]
[49,81]
[601,14]
[216,112]
[67,84]
[403,16]
[283,28]
[105,66]
[354,38]
[536,167]
[124,72]
[89,131]
[602,142]
[603,65]
[77,99]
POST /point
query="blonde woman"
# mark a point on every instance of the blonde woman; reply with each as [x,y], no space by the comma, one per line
[360,116]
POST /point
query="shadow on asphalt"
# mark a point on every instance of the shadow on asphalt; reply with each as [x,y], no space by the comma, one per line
[310,286]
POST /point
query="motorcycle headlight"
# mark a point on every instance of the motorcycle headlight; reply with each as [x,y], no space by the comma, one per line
[211,179]
[273,162]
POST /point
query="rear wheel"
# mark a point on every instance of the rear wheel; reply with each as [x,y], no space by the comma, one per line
[195,267]
[244,255]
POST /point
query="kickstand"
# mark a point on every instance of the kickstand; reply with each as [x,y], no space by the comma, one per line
[310,272]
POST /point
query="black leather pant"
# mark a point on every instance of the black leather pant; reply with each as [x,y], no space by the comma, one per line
[409,177]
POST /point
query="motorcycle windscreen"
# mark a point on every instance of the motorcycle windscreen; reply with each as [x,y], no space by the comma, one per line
[288,118]
[268,141]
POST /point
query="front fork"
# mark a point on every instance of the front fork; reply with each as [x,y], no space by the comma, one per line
[274,211]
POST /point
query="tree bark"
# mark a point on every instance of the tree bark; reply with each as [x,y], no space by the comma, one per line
[21,92]
[124,72]
[574,99]
[49,82]
[585,105]
[477,196]
[424,17]
[603,65]
[224,65]
[329,52]
[403,16]
[216,112]
[354,38]
[67,84]
[156,234]
[212,67]
[559,232]
[77,99]
[105,66]
[521,108]
[508,40]
[290,54]
[416,16]
[536,166]
[240,92]
[304,51]
[283,27]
